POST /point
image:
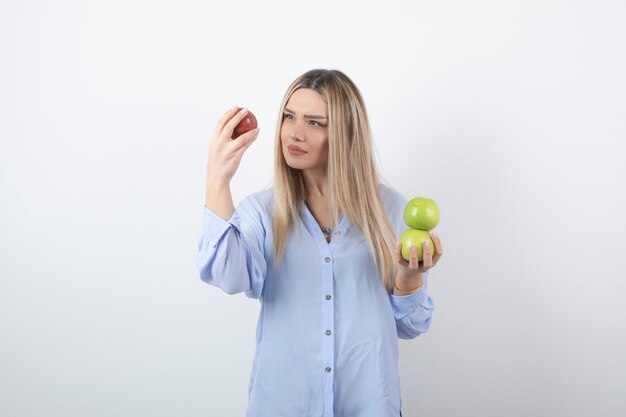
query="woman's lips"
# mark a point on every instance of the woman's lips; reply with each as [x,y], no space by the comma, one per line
[294,150]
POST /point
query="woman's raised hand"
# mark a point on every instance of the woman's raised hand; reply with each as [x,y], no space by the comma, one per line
[224,157]
[225,153]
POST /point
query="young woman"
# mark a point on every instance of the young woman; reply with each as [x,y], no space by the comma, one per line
[320,252]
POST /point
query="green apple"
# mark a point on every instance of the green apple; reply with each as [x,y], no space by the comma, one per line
[415,237]
[421,213]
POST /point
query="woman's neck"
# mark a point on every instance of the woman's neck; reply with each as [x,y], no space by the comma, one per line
[316,184]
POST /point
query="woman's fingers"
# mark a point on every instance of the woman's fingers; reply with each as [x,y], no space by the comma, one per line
[232,156]
[242,147]
[438,247]
[427,257]
[228,122]
[243,141]
[399,257]
[230,125]
[413,263]
[225,118]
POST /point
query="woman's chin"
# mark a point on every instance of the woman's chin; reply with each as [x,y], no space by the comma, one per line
[293,162]
[294,165]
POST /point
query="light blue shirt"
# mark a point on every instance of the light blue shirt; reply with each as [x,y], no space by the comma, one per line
[327,333]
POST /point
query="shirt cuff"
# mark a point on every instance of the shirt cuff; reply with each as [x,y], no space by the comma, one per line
[214,226]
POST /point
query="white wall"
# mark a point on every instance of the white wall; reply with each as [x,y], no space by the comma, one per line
[510,114]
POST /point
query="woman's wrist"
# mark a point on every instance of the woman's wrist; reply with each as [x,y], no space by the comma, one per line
[403,285]
[398,291]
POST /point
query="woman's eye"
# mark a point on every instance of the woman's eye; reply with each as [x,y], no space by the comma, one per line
[287,116]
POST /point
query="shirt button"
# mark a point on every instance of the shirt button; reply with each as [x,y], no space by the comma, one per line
[327,259]
[328,297]
[328,369]
[327,332]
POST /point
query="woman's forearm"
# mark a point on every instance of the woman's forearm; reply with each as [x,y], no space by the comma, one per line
[218,198]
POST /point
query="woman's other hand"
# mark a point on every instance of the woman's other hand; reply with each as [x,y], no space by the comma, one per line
[410,275]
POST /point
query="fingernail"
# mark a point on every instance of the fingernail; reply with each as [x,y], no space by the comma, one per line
[433,233]
[413,248]
[244,110]
[233,108]
[427,243]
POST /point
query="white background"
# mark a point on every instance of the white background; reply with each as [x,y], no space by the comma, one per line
[510,114]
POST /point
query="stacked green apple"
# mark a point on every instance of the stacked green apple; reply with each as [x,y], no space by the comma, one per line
[421,215]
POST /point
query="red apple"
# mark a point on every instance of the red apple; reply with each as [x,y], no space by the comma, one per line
[247,124]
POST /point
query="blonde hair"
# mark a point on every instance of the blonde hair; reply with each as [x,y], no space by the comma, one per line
[353,180]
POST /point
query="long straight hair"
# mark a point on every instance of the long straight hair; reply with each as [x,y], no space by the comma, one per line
[353,180]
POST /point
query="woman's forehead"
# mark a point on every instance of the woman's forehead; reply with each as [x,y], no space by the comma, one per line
[307,101]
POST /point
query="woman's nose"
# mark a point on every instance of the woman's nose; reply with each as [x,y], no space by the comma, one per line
[295,132]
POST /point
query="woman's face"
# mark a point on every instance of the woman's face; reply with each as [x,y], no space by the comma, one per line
[304,130]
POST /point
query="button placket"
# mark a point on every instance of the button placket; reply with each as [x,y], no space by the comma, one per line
[328,313]
[327,305]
